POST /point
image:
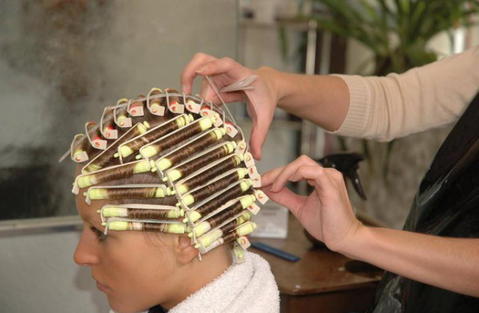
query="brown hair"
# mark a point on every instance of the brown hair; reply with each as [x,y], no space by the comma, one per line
[181,143]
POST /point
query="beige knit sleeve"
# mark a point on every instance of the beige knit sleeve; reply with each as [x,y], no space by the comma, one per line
[430,96]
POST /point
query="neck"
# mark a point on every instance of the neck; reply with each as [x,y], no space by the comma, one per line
[198,274]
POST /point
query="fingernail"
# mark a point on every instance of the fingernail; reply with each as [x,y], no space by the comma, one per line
[200,71]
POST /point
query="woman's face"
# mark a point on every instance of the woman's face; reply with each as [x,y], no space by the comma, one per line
[134,270]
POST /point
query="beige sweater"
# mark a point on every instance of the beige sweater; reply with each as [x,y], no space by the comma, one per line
[426,97]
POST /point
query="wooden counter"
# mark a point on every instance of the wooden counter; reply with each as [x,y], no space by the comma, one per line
[322,281]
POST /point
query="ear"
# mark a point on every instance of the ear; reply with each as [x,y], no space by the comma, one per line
[185,252]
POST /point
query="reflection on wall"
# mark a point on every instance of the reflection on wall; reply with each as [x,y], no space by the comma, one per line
[61,62]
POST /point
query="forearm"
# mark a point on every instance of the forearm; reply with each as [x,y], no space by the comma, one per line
[381,108]
[448,263]
[322,99]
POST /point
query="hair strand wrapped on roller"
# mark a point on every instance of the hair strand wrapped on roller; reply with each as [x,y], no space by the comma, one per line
[169,162]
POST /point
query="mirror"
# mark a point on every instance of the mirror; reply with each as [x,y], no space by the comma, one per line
[62,62]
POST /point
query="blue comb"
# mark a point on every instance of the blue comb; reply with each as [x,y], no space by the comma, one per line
[277,252]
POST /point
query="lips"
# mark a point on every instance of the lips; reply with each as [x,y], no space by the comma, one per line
[102,287]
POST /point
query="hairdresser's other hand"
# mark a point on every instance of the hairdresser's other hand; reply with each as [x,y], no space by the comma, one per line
[261,100]
[326,213]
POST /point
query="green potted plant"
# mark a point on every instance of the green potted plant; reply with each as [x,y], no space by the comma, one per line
[397,32]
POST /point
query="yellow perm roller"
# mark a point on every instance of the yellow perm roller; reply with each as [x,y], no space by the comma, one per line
[209,174]
[204,159]
[184,152]
[140,213]
[132,146]
[114,172]
[127,192]
[223,198]
[226,231]
[104,158]
[175,228]
[176,137]
[218,185]
[211,223]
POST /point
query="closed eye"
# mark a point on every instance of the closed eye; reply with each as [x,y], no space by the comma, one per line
[99,234]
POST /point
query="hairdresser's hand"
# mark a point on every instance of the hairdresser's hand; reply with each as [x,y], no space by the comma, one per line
[261,101]
[326,213]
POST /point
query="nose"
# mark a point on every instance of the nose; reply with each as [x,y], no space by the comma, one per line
[86,252]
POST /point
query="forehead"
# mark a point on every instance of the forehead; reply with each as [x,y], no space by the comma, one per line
[88,212]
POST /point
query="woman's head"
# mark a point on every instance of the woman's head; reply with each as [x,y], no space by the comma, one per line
[137,270]
[178,177]
[134,272]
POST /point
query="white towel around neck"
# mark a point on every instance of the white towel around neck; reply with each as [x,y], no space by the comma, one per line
[247,287]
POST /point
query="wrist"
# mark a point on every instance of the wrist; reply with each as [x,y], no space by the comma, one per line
[357,243]
[272,78]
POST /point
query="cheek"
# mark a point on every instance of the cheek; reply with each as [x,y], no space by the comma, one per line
[140,272]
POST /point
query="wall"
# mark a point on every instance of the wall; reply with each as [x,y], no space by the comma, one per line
[61,62]
[38,275]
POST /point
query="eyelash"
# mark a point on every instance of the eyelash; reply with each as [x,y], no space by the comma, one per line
[99,234]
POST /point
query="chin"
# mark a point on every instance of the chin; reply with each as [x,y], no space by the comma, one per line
[124,307]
